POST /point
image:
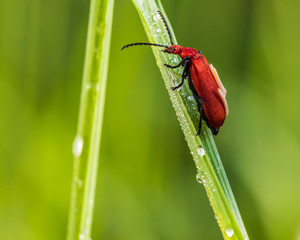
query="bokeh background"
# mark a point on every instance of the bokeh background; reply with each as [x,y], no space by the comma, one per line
[147,188]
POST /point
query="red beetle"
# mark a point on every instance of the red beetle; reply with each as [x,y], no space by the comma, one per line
[204,82]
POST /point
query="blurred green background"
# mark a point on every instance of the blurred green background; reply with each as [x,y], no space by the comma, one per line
[146,186]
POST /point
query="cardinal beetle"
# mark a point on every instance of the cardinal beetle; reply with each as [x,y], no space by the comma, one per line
[203,79]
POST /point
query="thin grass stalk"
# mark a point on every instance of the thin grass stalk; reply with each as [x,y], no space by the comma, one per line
[210,171]
[87,142]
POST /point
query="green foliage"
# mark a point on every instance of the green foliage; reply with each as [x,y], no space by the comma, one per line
[146,187]
[87,142]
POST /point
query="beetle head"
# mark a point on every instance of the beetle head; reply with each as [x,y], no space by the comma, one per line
[173,49]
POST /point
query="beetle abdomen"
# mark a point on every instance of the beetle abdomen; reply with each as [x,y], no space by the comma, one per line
[207,89]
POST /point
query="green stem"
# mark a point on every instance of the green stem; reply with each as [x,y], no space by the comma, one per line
[87,142]
[205,154]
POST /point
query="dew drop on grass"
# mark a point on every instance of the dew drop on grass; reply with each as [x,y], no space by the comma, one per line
[88,86]
[156,17]
[198,178]
[191,98]
[79,183]
[166,43]
[92,87]
[140,2]
[77,146]
[229,232]
[83,235]
[157,33]
[200,151]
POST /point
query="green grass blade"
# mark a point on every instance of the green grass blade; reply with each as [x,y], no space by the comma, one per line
[87,141]
[209,166]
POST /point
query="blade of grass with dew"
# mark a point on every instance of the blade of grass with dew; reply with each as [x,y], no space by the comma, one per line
[87,141]
[210,170]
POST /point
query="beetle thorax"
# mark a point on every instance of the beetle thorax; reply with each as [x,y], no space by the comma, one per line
[186,51]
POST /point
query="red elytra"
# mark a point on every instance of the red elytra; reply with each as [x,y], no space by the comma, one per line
[204,82]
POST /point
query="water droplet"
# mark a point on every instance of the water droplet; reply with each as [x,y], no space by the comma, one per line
[88,86]
[198,178]
[81,236]
[92,86]
[79,183]
[77,146]
[140,2]
[88,221]
[158,30]
[191,98]
[200,151]
[84,235]
[229,232]
[156,16]
[91,201]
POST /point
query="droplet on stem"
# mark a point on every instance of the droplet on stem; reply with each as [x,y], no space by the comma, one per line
[77,146]
[200,151]
[229,232]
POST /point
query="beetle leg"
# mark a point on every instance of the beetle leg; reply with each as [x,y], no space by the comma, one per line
[200,108]
[199,101]
[184,73]
[178,65]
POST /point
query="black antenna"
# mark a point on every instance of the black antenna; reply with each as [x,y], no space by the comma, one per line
[166,25]
[151,44]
